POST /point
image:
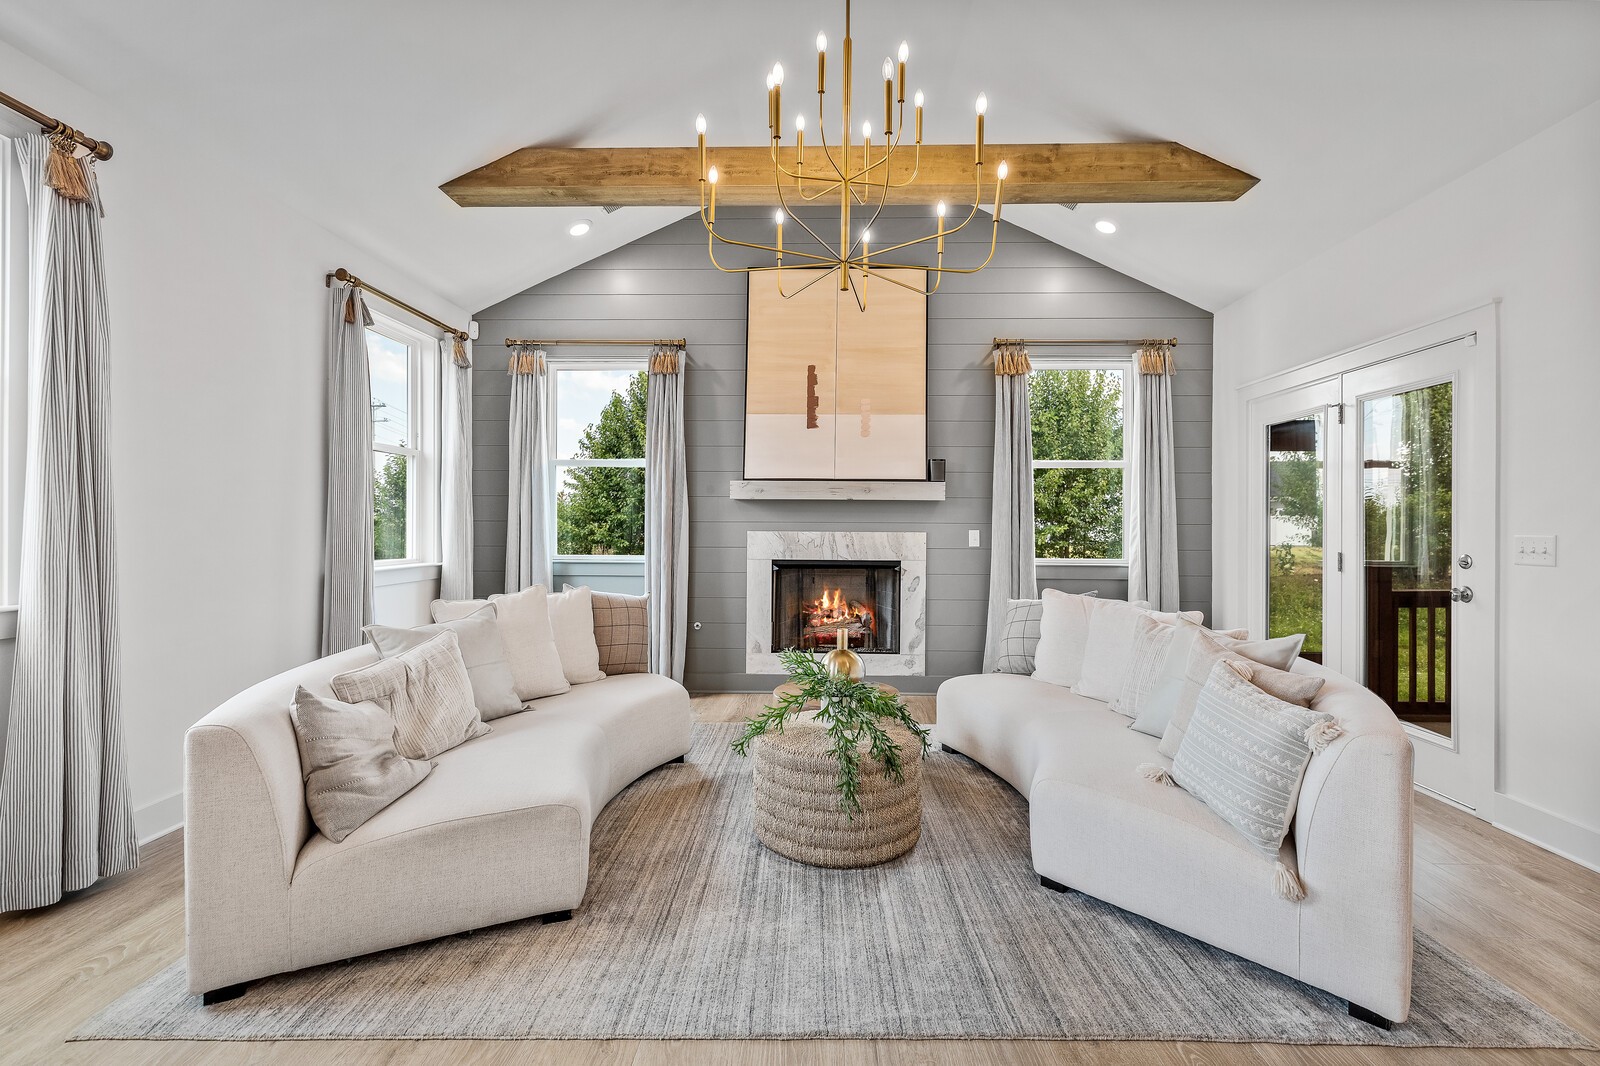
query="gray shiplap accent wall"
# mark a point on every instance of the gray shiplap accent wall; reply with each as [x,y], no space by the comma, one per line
[664,285]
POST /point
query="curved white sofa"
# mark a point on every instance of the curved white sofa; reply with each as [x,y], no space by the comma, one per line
[498,831]
[1100,828]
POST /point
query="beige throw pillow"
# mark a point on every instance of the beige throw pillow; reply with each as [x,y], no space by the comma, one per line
[1195,652]
[425,690]
[348,761]
[572,618]
[494,690]
[524,622]
[1063,636]
[621,632]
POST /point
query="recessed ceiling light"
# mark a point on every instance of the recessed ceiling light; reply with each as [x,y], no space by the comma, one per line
[579,228]
[1105,225]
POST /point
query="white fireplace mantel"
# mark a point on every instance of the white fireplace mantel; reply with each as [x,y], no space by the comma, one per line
[763,547]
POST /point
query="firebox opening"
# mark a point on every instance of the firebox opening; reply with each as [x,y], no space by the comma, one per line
[811,601]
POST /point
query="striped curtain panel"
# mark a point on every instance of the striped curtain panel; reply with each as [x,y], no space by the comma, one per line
[65,815]
[1153,517]
[1011,539]
[527,550]
[666,514]
[347,541]
[455,489]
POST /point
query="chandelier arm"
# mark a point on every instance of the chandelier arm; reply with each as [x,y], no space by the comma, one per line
[821,275]
[822,139]
[785,205]
[878,272]
[882,199]
[713,236]
[860,294]
[976,196]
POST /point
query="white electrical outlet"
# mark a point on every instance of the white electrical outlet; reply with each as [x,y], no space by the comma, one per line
[1535,551]
[974,538]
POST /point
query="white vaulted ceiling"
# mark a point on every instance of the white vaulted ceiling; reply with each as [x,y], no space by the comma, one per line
[355,112]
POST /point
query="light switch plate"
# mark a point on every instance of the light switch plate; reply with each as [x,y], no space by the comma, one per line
[974,538]
[1535,550]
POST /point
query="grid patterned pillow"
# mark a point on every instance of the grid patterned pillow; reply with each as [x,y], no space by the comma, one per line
[1019,637]
[622,632]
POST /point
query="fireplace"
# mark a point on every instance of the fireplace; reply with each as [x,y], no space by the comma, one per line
[813,600]
[801,586]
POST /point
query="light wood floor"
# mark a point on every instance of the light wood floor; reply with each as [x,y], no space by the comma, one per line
[1527,917]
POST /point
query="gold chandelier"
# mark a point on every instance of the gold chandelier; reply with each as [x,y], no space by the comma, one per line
[856,183]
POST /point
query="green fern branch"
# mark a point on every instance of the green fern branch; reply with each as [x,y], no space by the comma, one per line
[851,712]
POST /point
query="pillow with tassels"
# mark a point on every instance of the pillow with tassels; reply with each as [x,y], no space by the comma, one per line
[1244,755]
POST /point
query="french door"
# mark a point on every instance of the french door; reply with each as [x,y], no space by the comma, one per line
[1377,493]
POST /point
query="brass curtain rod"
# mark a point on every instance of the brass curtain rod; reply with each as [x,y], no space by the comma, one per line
[99,149]
[343,275]
[531,342]
[1141,343]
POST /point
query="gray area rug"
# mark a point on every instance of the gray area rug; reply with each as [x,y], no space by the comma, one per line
[691,929]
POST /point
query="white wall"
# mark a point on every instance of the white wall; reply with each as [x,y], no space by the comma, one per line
[217,391]
[1523,228]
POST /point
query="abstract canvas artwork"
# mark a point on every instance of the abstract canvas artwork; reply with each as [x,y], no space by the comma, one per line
[833,392]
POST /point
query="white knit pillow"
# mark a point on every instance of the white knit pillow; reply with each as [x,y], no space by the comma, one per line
[1108,654]
[572,618]
[524,623]
[1063,635]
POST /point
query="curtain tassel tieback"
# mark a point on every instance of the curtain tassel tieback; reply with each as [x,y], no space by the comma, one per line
[1156,359]
[525,362]
[64,171]
[459,354]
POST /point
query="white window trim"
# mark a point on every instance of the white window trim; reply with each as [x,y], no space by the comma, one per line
[1125,464]
[553,474]
[14,358]
[422,482]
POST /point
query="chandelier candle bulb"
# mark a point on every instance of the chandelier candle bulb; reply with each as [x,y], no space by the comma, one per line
[918,102]
[982,106]
[711,176]
[939,210]
[700,132]
[888,99]
[822,62]
[777,218]
[799,141]
[905,53]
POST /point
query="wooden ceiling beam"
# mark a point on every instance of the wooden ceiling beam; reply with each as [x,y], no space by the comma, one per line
[1148,172]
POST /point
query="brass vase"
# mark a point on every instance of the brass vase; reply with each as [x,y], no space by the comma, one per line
[842,659]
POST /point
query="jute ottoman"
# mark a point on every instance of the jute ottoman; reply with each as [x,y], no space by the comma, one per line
[797,812]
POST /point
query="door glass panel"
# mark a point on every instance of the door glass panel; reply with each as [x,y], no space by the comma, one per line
[1406,482]
[1295,512]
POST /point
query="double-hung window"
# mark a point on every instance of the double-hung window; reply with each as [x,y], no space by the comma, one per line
[596,411]
[13,368]
[402,368]
[1080,460]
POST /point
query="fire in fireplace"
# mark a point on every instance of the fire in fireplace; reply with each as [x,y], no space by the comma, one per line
[812,601]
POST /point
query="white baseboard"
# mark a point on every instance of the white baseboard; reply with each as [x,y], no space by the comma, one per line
[159,818]
[1549,831]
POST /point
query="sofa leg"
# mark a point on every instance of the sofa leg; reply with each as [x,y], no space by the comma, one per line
[947,749]
[1054,886]
[681,758]
[1372,1018]
[555,916]
[222,995]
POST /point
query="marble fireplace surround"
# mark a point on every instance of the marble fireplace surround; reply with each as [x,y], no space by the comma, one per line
[911,549]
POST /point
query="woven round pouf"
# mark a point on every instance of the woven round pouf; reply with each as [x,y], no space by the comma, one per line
[797,810]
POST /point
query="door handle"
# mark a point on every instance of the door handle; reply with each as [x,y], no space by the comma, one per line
[1461,595]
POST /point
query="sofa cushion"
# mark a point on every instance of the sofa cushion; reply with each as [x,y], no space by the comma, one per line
[644,718]
[1063,636]
[621,632]
[1019,637]
[494,690]
[572,619]
[1245,753]
[524,622]
[427,692]
[347,755]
